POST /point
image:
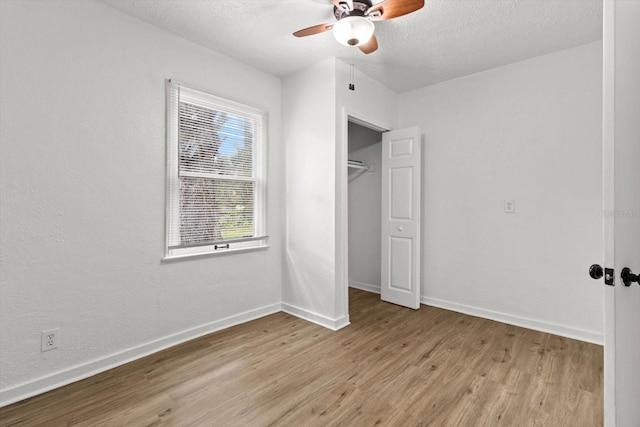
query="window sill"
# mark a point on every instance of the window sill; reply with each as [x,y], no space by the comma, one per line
[174,258]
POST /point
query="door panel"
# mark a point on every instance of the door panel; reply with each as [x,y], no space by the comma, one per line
[400,267]
[400,192]
[622,210]
[401,148]
[400,263]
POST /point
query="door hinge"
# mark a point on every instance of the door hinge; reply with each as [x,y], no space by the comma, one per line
[609,276]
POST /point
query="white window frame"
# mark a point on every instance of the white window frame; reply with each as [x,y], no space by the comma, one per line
[173,247]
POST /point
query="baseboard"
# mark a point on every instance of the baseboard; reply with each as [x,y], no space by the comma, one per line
[538,325]
[364,287]
[96,366]
[319,319]
[86,370]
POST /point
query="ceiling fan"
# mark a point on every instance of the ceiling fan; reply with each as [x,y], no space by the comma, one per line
[356,18]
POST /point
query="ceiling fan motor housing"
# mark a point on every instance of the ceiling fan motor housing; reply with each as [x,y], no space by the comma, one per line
[360,7]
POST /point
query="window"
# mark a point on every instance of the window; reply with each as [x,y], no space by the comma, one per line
[216,174]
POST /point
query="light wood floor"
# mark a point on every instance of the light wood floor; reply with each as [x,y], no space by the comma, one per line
[393,367]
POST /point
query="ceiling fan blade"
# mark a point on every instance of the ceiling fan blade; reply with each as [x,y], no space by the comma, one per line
[389,9]
[370,46]
[316,29]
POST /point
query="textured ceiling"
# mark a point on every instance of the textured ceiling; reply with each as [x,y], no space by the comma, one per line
[444,40]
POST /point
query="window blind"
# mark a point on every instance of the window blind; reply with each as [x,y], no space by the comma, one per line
[216,181]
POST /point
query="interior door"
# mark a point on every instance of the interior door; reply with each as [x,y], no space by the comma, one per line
[622,210]
[400,246]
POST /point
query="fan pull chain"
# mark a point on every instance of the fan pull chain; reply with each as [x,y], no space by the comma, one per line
[352,86]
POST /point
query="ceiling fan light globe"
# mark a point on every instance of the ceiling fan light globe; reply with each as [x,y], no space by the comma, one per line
[353,30]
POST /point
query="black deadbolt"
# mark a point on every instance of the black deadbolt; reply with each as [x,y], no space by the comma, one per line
[596,272]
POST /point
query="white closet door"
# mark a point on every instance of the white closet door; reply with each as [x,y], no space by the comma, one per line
[401,161]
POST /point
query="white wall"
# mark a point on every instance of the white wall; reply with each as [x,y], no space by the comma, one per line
[365,201]
[309,108]
[82,133]
[532,132]
[370,102]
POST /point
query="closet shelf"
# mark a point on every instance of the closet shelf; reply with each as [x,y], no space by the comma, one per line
[354,166]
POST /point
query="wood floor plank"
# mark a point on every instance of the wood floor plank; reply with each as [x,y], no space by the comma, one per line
[392,366]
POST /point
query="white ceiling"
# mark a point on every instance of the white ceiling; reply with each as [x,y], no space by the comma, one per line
[444,40]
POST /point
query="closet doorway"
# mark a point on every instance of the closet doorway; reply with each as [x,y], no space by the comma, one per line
[365,201]
[384,212]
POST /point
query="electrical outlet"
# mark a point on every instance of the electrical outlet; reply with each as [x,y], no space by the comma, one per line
[509,206]
[49,339]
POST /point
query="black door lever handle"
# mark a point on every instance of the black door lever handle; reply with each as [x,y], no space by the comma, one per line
[628,277]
